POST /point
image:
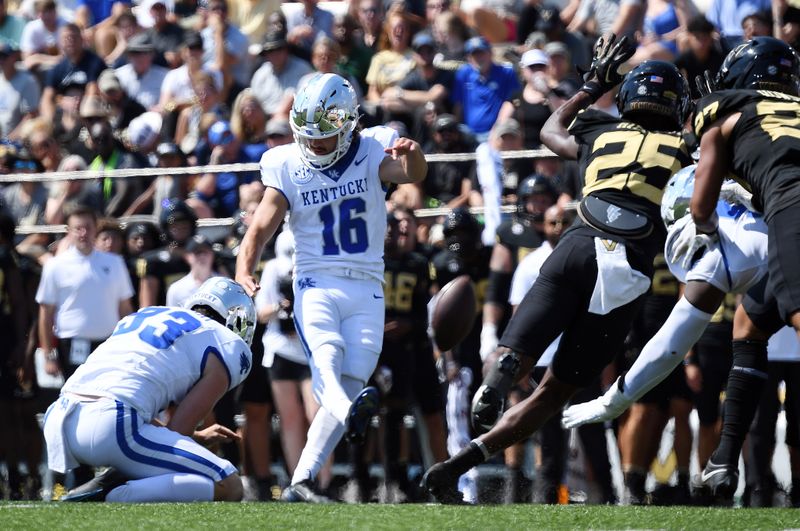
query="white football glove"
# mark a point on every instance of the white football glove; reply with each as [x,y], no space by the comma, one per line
[733,192]
[488,340]
[687,244]
[607,407]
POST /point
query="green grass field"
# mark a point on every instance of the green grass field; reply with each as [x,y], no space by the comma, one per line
[55,516]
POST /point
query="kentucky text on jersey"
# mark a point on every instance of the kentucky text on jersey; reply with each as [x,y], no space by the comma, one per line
[325,195]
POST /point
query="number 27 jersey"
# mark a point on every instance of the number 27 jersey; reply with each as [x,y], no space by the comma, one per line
[764,145]
[338,215]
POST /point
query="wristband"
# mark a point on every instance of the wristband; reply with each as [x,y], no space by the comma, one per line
[593,89]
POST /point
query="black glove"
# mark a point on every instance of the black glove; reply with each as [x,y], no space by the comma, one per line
[603,74]
[706,84]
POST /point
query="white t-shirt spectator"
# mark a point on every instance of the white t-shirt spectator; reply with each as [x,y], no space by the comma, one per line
[236,44]
[145,89]
[179,85]
[86,291]
[36,37]
[183,288]
[271,89]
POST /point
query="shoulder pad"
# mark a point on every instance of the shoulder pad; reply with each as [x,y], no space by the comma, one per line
[718,104]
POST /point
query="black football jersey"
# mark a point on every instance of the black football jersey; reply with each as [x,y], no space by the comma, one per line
[446,266]
[764,144]
[407,289]
[521,239]
[626,164]
[165,265]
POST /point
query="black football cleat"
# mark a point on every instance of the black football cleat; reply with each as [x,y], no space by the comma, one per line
[97,488]
[442,485]
[303,492]
[490,398]
[719,483]
[364,407]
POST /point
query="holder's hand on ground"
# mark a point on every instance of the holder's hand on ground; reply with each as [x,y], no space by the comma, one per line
[689,242]
[607,407]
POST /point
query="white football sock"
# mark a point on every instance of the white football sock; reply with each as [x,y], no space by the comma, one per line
[324,434]
[666,349]
[326,376]
[166,488]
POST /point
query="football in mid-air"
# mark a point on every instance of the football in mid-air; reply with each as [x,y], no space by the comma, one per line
[453,312]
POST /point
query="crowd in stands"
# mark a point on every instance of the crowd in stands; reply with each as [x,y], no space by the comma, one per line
[108,85]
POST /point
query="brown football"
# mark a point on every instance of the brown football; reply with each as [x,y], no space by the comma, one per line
[453,313]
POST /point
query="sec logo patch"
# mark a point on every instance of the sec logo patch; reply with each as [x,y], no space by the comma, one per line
[302,175]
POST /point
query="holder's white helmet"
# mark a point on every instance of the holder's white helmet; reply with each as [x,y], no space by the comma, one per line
[229,300]
[327,106]
[677,195]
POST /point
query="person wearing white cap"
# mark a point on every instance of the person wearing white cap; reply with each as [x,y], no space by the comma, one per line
[534,105]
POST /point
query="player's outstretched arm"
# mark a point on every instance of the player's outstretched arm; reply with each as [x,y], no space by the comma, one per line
[406,163]
[267,218]
[603,75]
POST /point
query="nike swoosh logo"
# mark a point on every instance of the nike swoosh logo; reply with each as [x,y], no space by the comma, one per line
[360,161]
[376,297]
[705,477]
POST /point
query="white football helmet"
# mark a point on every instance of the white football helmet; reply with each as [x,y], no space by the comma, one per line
[327,106]
[229,300]
[678,195]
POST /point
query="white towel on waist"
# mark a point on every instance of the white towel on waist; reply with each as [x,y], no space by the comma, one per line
[617,283]
[59,458]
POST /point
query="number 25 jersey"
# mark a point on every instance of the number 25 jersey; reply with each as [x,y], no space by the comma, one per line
[626,164]
[156,355]
[338,215]
[764,145]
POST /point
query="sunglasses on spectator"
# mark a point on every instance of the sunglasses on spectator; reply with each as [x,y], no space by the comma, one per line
[369,10]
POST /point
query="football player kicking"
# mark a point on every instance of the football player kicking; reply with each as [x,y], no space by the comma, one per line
[748,126]
[591,286]
[332,180]
[106,414]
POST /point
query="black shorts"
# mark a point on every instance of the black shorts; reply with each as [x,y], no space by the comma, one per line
[714,354]
[558,302]
[673,386]
[64,347]
[783,241]
[761,307]
[286,369]
[256,387]
[399,359]
[425,386]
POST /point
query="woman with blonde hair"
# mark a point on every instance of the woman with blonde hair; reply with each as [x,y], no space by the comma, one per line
[395,60]
[248,119]
[249,126]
